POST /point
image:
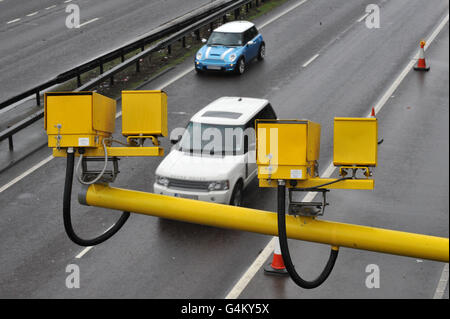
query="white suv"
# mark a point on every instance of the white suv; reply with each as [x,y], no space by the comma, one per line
[215,159]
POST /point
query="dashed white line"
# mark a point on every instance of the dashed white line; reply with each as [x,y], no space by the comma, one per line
[83,252]
[310,60]
[13,21]
[282,14]
[26,173]
[363,17]
[443,281]
[32,14]
[252,270]
[87,22]
[51,7]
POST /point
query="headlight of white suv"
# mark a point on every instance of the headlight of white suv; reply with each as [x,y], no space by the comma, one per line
[199,55]
[219,185]
[232,57]
[161,180]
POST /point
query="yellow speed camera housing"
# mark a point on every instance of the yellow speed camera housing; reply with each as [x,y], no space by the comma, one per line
[144,113]
[355,142]
[287,149]
[78,119]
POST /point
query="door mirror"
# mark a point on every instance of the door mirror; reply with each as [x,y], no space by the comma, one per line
[250,42]
[175,140]
[204,41]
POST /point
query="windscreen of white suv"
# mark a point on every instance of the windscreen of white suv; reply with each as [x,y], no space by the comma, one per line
[212,139]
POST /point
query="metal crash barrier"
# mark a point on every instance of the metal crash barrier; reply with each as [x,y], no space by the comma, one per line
[81,125]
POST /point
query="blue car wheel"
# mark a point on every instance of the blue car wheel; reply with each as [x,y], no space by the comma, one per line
[240,66]
[262,51]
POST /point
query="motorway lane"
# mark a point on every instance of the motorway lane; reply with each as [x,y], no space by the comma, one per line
[164,259]
[411,194]
[36,48]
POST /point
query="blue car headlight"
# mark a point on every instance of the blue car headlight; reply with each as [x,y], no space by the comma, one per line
[199,56]
[232,57]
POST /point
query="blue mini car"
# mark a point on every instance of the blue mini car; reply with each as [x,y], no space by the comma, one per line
[230,47]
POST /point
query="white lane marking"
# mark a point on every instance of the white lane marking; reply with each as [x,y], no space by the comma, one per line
[174,79]
[436,32]
[51,7]
[87,22]
[363,17]
[83,252]
[237,290]
[408,68]
[26,173]
[282,14]
[251,271]
[67,1]
[12,21]
[443,281]
[32,14]
[310,60]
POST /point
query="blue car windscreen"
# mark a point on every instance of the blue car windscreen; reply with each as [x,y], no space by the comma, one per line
[225,38]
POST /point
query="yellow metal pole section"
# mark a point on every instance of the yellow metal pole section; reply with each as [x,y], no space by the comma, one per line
[257,221]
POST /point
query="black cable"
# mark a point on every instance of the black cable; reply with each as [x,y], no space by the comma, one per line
[67,216]
[282,236]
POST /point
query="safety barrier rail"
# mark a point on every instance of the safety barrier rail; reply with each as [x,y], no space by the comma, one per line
[167,36]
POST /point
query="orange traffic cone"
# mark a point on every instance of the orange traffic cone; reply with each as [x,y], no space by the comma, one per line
[421,64]
[277,266]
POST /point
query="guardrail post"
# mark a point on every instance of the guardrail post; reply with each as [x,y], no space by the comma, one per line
[183,42]
[101,68]
[111,80]
[78,79]
[237,13]
[197,34]
[38,98]
[169,49]
[10,142]
[224,19]
[138,68]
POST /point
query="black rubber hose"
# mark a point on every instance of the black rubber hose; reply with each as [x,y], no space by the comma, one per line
[282,236]
[67,215]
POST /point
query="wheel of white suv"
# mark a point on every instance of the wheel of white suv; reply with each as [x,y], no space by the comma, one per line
[237,195]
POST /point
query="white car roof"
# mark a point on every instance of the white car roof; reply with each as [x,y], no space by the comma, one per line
[235,27]
[229,111]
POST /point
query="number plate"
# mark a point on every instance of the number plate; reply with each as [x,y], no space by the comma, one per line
[186,196]
[214,67]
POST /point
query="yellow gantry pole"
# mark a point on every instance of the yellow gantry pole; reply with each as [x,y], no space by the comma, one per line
[263,222]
